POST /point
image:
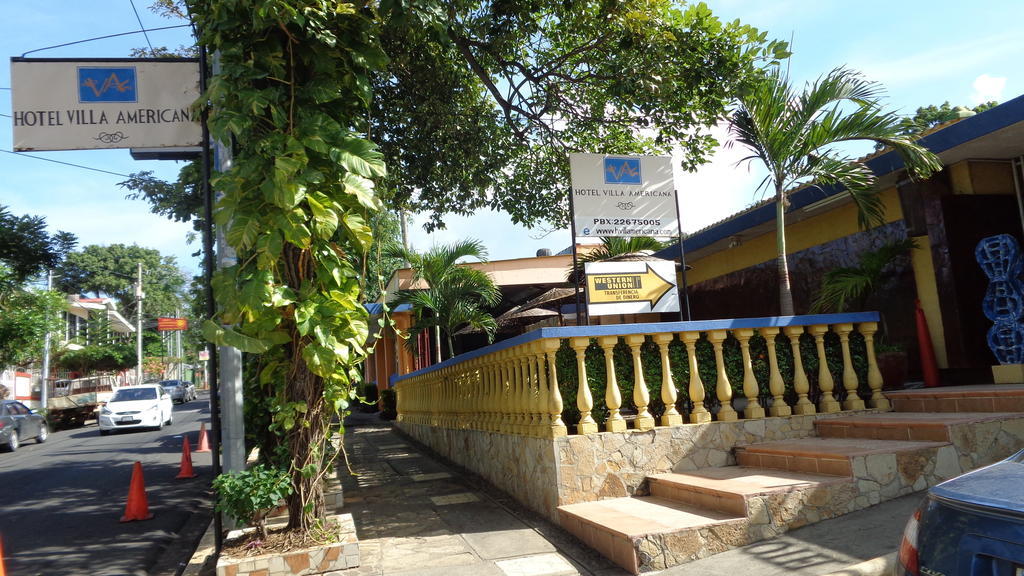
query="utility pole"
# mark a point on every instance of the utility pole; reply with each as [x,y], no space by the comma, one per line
[43,380]
[139,295]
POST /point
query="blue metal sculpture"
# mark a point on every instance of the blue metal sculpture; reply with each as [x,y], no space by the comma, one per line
[999,257]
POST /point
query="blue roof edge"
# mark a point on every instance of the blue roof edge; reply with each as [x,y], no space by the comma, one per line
[971,128]
[649,328]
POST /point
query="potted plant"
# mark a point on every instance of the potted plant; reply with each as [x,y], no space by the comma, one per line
[849,287]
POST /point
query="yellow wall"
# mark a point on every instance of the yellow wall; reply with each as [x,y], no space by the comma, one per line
[928,294]
[811,232]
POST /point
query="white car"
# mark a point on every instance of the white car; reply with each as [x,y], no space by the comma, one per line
[143,406]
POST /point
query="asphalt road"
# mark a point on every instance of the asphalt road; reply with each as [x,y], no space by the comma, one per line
[61,501]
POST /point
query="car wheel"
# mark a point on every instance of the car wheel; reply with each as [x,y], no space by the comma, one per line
[44,433]
[14,442]
[104,432]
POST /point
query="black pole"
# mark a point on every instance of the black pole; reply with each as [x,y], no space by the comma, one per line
[575,263]
[211,309]
[685,304]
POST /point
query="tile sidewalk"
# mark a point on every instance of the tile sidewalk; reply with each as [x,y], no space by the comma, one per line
[417,515]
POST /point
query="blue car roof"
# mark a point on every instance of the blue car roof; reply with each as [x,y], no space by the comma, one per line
[996,486]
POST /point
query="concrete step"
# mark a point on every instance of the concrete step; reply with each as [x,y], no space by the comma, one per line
[908,426]
[831,456]
[651,533]
[975,398]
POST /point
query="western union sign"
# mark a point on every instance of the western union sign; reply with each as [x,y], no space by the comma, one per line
[631,287]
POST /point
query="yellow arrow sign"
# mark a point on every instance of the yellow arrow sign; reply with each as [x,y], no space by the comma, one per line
[646,286]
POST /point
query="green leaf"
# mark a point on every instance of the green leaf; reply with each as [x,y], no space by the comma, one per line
[223,336]
[359,156]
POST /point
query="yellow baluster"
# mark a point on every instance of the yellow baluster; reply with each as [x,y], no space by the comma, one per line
[519,417]
[723,389]
[506,392]
[671,416]
[828,403]
[775,383]
[800,383]
[850,384]
[549,388]
[584,399]
[641,396]
[750,389]
[878,401]
[696,388]
[533,417]
[612,395]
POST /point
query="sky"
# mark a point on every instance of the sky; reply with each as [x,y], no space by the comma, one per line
[922,52]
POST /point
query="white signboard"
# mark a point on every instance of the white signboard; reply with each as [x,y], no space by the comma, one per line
[631,287]
[85,104]
[623,195]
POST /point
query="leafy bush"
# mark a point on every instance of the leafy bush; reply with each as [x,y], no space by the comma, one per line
[247,497]
[389,401]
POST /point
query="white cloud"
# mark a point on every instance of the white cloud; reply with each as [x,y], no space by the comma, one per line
[988,88]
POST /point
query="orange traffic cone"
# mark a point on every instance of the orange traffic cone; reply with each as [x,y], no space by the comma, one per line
[3,572]
[929,366]
[202,445]
[186,460]
[137,507]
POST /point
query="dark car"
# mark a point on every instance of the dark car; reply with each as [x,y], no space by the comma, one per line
[19,423]
[180,390]
[972,525]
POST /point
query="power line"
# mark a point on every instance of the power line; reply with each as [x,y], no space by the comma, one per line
[23,155]
[143,31]
[142,27]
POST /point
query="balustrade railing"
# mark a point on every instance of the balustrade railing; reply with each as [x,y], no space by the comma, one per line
[700,371]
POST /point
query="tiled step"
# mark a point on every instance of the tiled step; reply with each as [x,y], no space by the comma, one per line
[832,456]
[909,426]
[730,489]
[976,398]
[651,533]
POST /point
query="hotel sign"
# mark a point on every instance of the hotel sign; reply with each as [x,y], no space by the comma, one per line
[623,196]
[62,104]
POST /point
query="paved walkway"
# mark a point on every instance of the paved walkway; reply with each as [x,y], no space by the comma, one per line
[416,515]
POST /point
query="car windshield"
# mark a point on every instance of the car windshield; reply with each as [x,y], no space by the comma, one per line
[169,384]
[129,394]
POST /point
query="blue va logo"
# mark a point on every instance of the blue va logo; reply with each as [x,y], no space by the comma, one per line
[622,171]
[106,85]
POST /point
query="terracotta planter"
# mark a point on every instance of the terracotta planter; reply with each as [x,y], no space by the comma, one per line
[893,366]
[338,555]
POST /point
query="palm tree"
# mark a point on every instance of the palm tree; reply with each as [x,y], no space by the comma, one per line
[455,295]
[795,136]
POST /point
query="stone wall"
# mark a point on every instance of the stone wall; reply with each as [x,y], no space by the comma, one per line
[522,466]
[543,474]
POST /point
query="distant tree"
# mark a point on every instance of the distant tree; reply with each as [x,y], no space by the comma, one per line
[930,116]
[455,295]
[26,315]
[111,271]
[25,246]
[795,135]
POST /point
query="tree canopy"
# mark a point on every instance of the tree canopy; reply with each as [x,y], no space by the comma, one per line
[111,271]
[25,246]
[26,315]
[482,100]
